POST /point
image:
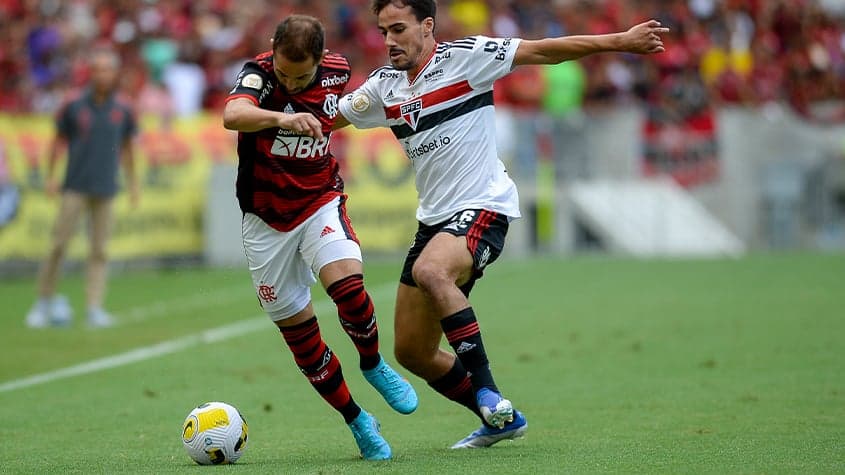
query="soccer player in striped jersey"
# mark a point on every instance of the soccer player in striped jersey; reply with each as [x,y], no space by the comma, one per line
[295,225]
[437,98]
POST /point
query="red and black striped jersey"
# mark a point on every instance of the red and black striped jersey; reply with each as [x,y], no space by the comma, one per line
[284,177]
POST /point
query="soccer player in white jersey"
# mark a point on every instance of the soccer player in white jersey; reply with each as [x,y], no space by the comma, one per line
[437,98]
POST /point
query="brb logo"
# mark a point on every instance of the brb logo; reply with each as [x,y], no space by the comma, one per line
[296,146]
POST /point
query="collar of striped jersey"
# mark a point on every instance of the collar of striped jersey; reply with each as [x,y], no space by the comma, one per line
[423,67]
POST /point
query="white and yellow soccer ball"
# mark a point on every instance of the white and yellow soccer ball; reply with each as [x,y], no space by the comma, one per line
[214,433]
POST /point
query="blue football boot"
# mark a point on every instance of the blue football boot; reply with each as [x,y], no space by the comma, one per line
[487,436]
[367,432]
[496,410]
[395,389]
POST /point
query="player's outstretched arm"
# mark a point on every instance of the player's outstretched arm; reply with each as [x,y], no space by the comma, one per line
[243,115]
[641,39]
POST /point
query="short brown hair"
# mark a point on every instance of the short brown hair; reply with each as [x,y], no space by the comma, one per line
[422,8]
[299,36]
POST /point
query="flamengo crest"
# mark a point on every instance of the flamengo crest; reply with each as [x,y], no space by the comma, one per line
[330,105]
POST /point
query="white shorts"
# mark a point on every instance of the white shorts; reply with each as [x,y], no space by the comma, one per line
[284,264]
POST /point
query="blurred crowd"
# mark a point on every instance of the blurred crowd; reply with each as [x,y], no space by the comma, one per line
[181,56]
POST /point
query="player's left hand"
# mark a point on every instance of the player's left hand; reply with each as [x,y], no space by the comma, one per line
[645,38]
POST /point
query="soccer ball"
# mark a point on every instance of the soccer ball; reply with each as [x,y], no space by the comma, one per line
[214,433]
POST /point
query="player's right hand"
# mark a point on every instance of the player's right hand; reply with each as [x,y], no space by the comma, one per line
[302,123]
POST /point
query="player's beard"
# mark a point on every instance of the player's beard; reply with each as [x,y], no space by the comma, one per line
[295,90]
[407,61]
[300,88]
[402,63]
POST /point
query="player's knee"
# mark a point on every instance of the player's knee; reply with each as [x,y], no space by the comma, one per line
[429,276]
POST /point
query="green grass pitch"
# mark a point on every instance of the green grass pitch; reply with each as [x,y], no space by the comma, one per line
[626,366]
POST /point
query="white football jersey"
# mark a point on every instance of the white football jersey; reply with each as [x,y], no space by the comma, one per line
[445,121]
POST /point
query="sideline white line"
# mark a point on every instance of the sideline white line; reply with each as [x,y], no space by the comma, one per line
[140,354]
[213,335]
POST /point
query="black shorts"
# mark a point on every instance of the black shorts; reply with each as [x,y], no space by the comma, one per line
[485,232]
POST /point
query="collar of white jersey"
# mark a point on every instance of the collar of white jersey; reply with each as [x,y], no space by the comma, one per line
[427,62]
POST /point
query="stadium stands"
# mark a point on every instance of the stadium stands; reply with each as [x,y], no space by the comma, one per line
[748,52]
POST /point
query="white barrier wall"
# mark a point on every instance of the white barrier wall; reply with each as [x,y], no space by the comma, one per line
[765,156]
